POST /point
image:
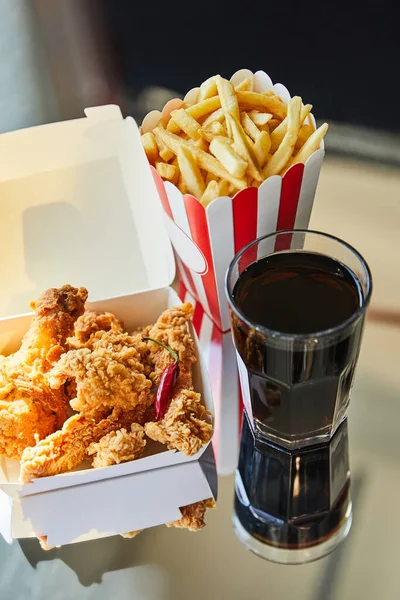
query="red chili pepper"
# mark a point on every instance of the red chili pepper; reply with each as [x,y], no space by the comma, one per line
[167,382]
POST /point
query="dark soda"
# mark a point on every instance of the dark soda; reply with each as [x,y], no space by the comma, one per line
[292,500]
[299,343]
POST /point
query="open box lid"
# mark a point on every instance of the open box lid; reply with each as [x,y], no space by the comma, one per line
[78,205]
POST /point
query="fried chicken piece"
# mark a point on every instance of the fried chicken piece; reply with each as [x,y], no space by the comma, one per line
[90,323]
[131,534]
[193,515]
[186,425]
[109,374]
[118,446]
[29,408]
[67,448]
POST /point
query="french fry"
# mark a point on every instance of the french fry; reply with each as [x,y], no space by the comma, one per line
[311,145]
[243,147]
[233,163]
[211,177]
[186,122]
[207,89]
[261,147]
[249,126]
[210,193]
[204,160]
[259,118]
[215,129]
[255,101]
[229,101]
[285,150]
[150,147]
[165,153]
[199,110]
[200,143]
[190,172]
[166,171]
[226,188]
[217,115]
[304,133]
[273,124]
[244,86]
[182,185]
[278,133]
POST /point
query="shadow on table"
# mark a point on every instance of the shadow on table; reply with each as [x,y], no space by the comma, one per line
[89,560]
[327,587]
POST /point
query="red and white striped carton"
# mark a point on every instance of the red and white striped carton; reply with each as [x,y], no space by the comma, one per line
[219,357]
[206,239]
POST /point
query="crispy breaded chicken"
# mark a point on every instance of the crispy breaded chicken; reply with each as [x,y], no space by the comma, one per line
[118,446]
[109,374]
[90,323]
[193,515]
[29,408]
[186,425]
[67,448]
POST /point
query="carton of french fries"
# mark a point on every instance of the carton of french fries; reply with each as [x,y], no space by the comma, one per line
[232,161]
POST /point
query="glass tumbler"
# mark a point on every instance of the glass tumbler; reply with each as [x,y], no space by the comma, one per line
[292,499]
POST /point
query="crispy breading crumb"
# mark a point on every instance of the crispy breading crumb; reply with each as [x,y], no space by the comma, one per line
[193,515]
[118,446]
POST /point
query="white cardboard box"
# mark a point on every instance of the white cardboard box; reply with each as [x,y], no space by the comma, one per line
[78,205]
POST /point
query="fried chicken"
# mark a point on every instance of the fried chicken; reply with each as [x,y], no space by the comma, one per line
[109,374]
[29,408]
[186,425]
[67,448]
[118,446]
[193,515]
[90,323]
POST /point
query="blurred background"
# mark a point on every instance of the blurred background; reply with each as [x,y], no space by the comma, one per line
[60,56]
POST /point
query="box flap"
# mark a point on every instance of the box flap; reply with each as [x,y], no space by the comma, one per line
[116,505]
[78,205]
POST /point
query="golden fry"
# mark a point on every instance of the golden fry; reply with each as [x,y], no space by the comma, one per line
[278,134]
[304,133]
[210,193]
[207,89]
[249,126]
[226,188]
[150,147]
[233,163]
[182,185]
[243,148]
[217,115]
[285,150]
[244,86]
[199,110]
[229,101]
[259,118]
[262,147]
[204,160]
[311,145]
[273,124]
[210,177]
[187,123]
[166,171]
[190,172]
[165,153]
[255,101]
